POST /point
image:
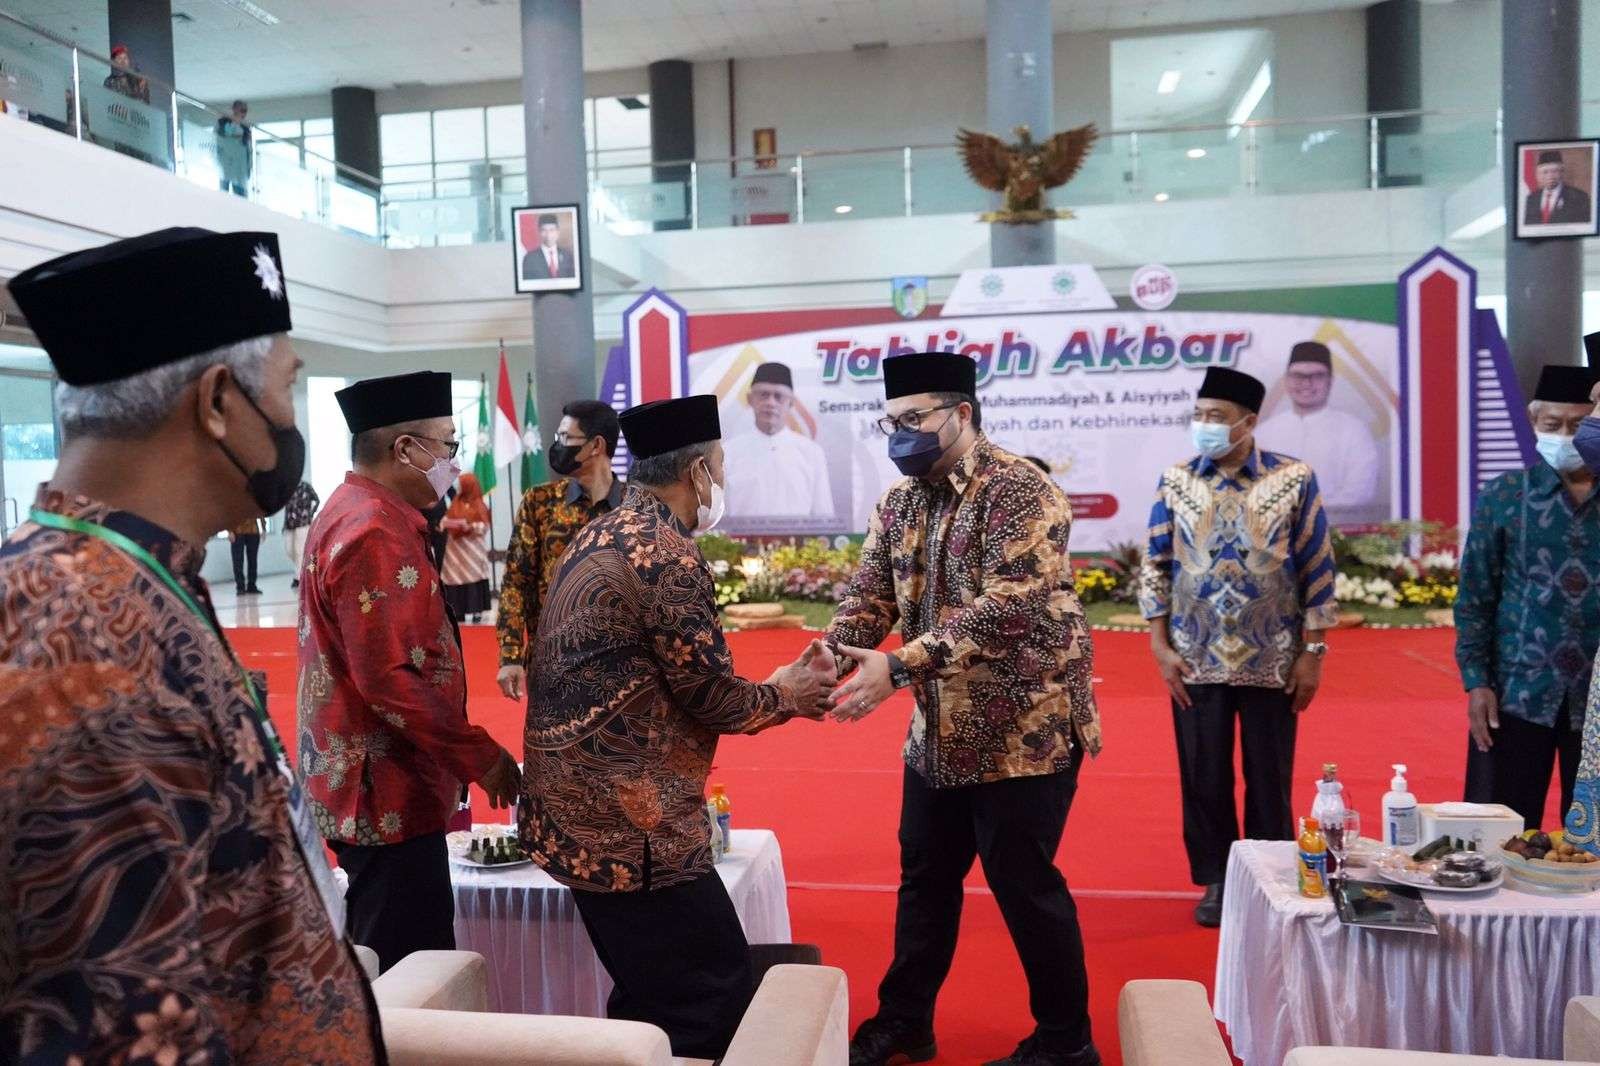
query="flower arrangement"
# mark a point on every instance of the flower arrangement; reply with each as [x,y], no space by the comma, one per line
[815,570]
[1096,584]
[1376,568]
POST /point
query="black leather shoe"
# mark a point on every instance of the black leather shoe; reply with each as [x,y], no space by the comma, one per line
[881,1042]
[1209,912]
[1033,1052]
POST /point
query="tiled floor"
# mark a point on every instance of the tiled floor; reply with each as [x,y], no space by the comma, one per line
[278,605]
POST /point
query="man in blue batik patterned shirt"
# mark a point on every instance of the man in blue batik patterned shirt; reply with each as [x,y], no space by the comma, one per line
[1528,611]
[1237,583]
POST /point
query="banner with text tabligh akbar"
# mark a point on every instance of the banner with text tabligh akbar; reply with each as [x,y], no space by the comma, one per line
[1103,397]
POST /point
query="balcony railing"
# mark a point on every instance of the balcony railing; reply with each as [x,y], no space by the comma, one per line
[54,83]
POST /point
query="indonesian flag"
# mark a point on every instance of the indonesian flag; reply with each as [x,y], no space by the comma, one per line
[507,438]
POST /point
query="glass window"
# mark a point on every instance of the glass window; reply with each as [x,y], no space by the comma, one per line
[329,441]
[287,130]
[319,127]
[406,138]
[507,135]
[319,153]
[458,134]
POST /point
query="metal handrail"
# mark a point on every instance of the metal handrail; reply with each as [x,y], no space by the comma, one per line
[179,95]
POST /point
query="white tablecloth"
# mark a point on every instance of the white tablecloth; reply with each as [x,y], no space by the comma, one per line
[540,960]
[1495,981]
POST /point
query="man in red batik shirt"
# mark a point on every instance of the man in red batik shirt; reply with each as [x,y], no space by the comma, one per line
[385,745]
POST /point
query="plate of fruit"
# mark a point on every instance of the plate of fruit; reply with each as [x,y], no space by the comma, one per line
[1442,865]
[1545,862]
[487,846]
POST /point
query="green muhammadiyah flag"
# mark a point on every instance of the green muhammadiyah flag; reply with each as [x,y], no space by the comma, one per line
[483,464]
[534,471]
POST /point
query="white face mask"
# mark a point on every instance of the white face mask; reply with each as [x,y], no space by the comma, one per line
[706,516]
[441,475]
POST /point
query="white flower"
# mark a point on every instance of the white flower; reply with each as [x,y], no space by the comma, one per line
[720,568]
[407,577]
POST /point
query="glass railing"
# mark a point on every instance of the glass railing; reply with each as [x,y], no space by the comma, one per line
[48,81]
[1136,166]
[55,84]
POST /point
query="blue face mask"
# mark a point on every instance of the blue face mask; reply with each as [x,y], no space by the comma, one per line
[1560,452]
[1211,439]
[1587,442]
[916,451]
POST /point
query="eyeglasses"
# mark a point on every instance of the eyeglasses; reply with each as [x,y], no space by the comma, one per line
[911,421]
[563,438]
[453,445]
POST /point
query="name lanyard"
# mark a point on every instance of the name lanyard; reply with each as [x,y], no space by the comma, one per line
[151,563]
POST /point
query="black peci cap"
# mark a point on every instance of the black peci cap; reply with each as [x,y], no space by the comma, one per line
[773,374]
[379,402]
[663,426]
[1564,384]
[1311,352]
[908,375]
[111,312]
[1222,383]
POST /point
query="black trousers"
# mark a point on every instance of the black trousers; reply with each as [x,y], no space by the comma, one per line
[400,898]
[679,959]
[245,548]
[1205,768]
[1013,827]
[1523,756]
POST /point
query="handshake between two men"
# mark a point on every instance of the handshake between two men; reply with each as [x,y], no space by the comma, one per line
[814,680]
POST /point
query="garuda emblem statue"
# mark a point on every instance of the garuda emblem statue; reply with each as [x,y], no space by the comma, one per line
[1024,170]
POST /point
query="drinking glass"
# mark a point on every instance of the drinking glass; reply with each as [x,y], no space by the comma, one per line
[1342,837]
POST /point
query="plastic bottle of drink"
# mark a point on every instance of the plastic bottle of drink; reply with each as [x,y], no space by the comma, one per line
[719,797]
[1328,809]
[718,845]
[1313,861]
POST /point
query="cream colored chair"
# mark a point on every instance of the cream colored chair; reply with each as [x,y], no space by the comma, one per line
[1169,1023]
[435,1013]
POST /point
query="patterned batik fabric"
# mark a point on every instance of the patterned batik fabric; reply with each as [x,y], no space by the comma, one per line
[550,516]
[633,687]
[155,906]
[1583,819]
[385,744]
[1528,602]
[1240,566]
[302,507]
[975,569]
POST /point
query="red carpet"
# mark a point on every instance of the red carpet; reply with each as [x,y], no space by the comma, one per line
[832,794]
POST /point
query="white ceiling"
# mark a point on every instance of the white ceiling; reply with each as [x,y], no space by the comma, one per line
[317,44]
[1214,66]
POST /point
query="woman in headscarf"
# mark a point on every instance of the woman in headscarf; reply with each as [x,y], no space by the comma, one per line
[465,574]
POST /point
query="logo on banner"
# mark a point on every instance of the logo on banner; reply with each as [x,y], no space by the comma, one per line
[1027,290]
[992,285]
[1063,283]
[1153,287]
[909,296]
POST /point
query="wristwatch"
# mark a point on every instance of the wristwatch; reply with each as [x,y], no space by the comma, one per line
[899,676]
[1317,648]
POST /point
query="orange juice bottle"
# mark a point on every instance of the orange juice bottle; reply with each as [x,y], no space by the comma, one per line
[724,809]
[1312,861]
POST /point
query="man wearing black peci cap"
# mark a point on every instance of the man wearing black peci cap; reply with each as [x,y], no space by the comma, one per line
[1338,445]
[1552,201]
[165,896]
[633,688]
[1237,583]
[1528,607]
[776,471]
[968,553]
[385,744]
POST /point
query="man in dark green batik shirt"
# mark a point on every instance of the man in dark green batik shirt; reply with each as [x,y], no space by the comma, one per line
[1528,609]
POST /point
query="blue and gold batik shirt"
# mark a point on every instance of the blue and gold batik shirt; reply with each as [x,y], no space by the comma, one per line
[1240,565]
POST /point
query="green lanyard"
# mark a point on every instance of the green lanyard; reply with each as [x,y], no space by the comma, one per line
[151,563]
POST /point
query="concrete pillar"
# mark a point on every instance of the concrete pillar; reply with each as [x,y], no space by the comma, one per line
[552,98]
[145,26]
[1539,78]
[1394,75]
[356,141]
[1021,91]
[672,128]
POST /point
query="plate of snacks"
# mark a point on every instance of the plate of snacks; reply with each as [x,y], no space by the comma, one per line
[1545,862]
[486,847]
[1442,865]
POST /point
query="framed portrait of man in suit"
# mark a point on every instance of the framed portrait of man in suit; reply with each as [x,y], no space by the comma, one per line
[1555,188]
[547,248]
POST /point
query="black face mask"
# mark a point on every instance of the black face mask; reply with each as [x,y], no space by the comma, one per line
[564,458]
[271,489]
